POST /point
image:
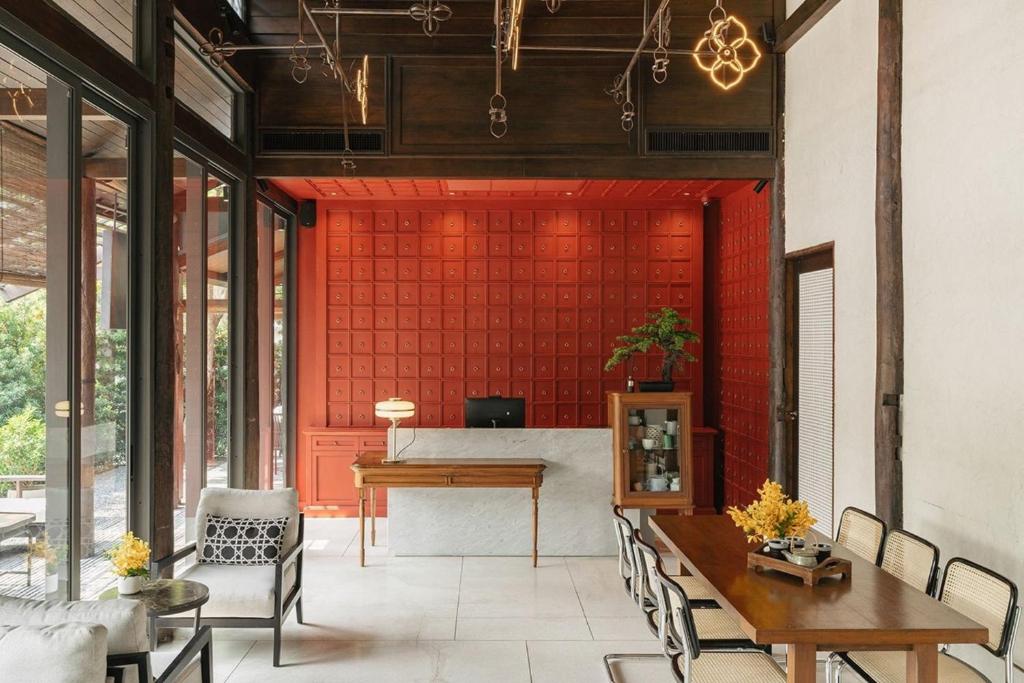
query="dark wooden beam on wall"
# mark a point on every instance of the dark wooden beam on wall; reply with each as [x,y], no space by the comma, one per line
[889,265]
[800,22]
[157,165]
[248,255]
[211,140]
[779,457]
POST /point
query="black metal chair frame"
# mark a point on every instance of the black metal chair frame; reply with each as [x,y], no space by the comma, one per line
[282,605]
[201,643]
[1004,650]
[885,528]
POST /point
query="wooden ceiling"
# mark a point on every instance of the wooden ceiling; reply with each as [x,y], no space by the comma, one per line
[409,188]
[609,23]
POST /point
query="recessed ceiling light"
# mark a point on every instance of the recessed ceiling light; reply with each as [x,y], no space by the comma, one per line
[451,193]
[568,194]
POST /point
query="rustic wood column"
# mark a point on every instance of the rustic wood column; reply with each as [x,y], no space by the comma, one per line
[155,497]
[778,459]
[889,267]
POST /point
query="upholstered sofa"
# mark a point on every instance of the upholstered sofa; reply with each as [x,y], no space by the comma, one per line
[91,642]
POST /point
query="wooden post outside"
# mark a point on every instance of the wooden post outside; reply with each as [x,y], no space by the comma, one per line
[889,266]
[88,365]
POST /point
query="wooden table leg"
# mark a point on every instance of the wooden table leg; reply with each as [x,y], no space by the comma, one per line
[801,663]
[536,496]
[923,664]
[373,517]
[362,527]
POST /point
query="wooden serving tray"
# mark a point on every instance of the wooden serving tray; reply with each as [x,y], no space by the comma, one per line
[759,560]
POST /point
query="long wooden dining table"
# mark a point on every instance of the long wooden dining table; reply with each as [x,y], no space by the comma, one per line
[871,610]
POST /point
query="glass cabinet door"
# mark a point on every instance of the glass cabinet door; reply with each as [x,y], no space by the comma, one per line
[652,446]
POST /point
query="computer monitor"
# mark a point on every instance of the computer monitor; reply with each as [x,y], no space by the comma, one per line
[496,411]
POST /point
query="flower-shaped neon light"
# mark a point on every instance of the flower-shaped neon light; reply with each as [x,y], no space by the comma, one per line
[726,52]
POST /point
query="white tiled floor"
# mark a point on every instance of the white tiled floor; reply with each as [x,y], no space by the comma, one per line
[443,620]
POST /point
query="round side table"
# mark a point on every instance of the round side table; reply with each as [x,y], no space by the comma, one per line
[164,597]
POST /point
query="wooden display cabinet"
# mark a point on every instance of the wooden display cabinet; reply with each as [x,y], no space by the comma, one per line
[645,449]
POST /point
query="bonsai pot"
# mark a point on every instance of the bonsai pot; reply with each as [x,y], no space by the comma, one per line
[657,386]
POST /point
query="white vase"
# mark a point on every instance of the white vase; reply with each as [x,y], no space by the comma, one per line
[129,585]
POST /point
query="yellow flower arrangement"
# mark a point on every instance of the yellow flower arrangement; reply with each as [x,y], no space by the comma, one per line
[773,515]
[130,557]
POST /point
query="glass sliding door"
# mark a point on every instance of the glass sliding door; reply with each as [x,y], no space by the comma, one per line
[272,314]
[218,330]
[104,235]
[38,486]
[202,237]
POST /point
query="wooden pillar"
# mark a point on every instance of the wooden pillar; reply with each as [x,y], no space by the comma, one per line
[88,364]
[265,339]
[158,488]
[779,461]
[889,265]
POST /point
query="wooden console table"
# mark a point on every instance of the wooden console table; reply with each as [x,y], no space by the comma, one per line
[371,472]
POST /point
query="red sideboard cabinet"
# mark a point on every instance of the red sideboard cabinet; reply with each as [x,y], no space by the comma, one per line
[329,485]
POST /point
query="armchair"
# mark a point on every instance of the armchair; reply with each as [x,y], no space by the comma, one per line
[245,596]
[90,641]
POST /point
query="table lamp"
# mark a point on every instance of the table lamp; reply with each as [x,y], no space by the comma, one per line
[396,410]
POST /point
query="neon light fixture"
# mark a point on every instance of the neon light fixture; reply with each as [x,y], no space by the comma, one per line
[726,51]
[363,88]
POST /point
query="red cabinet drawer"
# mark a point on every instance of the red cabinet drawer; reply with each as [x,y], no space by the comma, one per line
[498,343]
[408,318]
[373,441]
[362,294]
[362,390]
[385,343]
[521,270]
[567,248]
[384,221]
[566,342]
[362,246]
[613,246]
[453,343]
[362,318]
[544,343]
[384,269]
[498,269]
[407,294]
[338,221]
[384,245]
[475,270]
[362,221]
[565,295]
[454,223]
[430,318]
[614,270]
[338,318]
[544,222]
[339,366]
[338,342]
[338,295]
[430,221]
[499,246]
[362,366]
[658,247]
[590,295]
[430,269]
[407,270]
[659,222]
[453,319]
[545,246]
[430,390]
[407,246]
[408,221]
[544,271]
[590,221]
[521,246]
[590,246]
[454,391]
[475,295]
[454,246]
[568,222]
[334,442]
[383,389]
[362,270]
[339,390]
[522,342]
[476,221]
[614,221]
[522,221]
[476,343]
[384,294]
[590,342]
[338,415]
[635,271]
[338,246]
[498,221]
[498,295]
[339,270]
[659,271]
[430,342]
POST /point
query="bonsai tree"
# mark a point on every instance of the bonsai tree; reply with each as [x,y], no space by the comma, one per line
[666,330]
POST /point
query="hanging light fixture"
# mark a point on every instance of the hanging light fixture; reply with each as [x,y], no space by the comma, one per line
[726,52]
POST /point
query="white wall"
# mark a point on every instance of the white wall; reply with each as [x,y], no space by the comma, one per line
[963,223]
[830,189]
[963,227]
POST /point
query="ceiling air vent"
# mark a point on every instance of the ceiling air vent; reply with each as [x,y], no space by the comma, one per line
[674,141]
[325,141]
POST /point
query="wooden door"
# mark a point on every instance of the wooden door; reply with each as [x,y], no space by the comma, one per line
[810,380]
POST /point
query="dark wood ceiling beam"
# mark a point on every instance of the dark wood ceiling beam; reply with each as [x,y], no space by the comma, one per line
[800,22]
[529,167]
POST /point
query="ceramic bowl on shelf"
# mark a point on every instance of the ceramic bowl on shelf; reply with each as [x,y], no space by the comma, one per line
[657,484]
[648,444]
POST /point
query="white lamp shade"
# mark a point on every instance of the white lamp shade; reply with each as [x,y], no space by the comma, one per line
[395,409]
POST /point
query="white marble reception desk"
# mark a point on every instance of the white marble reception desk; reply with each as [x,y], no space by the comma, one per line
[575,499]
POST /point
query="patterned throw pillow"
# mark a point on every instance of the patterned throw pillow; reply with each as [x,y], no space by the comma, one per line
[250,540]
